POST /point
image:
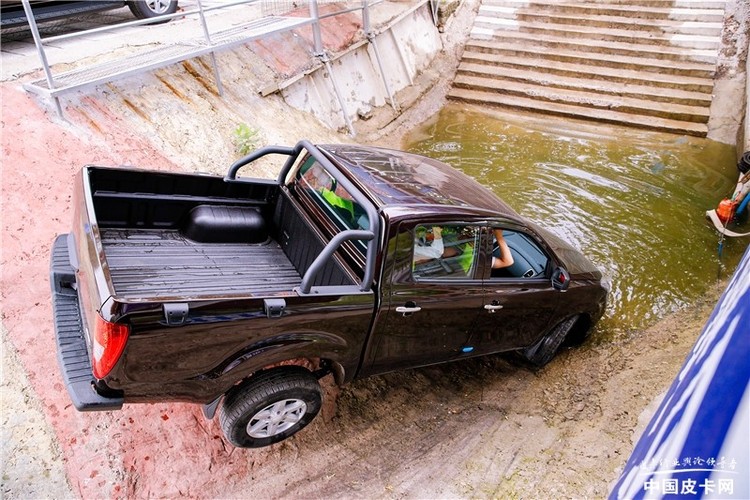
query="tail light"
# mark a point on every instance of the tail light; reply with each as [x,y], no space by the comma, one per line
[109,342]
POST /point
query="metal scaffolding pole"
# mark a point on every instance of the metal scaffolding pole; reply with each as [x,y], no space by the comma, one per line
[327,63]
[394,104]
[42,55]
[320,53]
[402,58]
[318,49]
[371,38]
[219,85]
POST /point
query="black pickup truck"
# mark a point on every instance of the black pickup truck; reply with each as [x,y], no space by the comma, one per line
[244,292]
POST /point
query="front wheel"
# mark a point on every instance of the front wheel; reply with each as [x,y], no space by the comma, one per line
[270,407]
[545,349]
[145,9]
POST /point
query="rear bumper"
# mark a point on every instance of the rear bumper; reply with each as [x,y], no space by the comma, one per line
[71,344]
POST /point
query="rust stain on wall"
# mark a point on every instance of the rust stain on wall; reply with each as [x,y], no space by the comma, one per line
[172,88]
[200,78]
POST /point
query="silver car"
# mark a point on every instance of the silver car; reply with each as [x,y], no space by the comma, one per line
[13,15]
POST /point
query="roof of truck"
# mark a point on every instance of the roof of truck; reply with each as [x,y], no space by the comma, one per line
[397,178]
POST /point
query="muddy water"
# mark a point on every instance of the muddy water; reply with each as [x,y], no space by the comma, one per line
[632,201]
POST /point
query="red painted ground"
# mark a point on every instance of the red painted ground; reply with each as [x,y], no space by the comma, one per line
[143,450]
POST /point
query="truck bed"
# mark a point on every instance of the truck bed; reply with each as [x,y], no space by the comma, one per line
[149,263]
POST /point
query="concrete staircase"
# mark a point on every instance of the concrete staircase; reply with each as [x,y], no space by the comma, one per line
[642,63]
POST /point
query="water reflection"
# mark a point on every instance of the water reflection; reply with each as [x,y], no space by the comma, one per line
[634,202]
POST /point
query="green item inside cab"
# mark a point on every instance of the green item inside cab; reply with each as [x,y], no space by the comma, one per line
[337,201]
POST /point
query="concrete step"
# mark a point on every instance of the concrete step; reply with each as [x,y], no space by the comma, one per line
[690,4]
[602,21]
[708,56]
[486,27]
[666,4]
[685,68]
[574,111]
[469,72]
[713,15]
[681,112]
[592,72]
[642,63]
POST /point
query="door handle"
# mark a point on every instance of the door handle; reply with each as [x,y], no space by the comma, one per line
[407,310]
[492,308]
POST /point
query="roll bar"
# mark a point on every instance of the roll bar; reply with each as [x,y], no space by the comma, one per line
[327,253]
[369,235]
[268,150]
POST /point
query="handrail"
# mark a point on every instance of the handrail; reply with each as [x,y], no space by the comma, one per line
[371,235]
[327,253]
[191,48]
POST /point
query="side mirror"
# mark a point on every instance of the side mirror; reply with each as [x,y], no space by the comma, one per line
[560,279]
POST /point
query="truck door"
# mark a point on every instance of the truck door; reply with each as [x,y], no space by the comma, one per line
[433,297]
[519,300]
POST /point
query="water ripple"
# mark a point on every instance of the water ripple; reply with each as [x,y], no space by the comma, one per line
[633,204]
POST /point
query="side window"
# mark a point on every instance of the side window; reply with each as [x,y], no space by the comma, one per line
[447,251]
[528,260]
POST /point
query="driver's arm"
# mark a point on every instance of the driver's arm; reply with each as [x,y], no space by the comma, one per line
[506,258]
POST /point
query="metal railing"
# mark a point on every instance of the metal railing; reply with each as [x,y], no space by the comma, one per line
[52,86]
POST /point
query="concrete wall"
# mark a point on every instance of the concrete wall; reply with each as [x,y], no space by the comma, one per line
[406,48]
[727,107]
[408,45]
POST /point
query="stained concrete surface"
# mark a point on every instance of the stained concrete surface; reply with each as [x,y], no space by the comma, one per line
[32,462]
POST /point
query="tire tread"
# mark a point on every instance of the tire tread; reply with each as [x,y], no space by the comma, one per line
[242,399]
[542,352]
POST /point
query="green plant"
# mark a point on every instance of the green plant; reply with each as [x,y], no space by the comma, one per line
[245,138]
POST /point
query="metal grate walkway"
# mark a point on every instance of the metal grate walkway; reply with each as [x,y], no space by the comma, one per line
[275,19]
[159,57]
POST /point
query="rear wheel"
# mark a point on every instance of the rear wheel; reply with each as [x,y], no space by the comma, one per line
[145,9]
[545,349]
[270,407]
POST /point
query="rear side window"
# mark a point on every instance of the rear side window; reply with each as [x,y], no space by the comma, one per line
[335,201]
